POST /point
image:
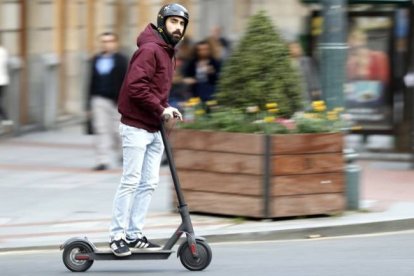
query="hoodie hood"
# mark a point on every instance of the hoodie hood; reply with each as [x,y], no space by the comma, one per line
[151,35]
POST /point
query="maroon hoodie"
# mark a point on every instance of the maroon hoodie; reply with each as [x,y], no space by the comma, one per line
[144,92]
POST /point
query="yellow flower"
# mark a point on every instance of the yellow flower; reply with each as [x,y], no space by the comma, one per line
[194,100]
[339,109]
[269,119]
[189,104]
[318,103]
[211,103]
[319,107]
[332,116]
[252,109]
[200,112]
[273,110]
[271,105]
[311,116]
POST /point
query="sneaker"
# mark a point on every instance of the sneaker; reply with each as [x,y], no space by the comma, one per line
[143,243]
[120,248]
[7,122]
[164,162]
[101,167]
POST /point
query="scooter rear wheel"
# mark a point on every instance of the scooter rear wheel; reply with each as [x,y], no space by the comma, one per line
[71,262]
[195,264]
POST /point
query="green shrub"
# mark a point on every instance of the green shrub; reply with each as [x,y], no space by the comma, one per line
[259,71]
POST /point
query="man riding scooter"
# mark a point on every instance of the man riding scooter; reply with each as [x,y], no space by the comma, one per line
[142,104]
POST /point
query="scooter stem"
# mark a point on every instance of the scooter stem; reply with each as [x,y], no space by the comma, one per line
[177,185]
[186,225]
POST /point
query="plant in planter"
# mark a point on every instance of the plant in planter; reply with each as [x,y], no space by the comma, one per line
[259,71]
[268,121]
[254,153]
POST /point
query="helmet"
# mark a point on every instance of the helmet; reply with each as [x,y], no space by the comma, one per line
[172,10]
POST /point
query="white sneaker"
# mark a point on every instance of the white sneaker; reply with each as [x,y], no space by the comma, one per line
[7,123]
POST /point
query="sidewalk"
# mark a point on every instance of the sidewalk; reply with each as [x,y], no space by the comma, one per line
[48,193]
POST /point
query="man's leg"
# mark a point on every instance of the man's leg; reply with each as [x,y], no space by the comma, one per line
[134,144]
[102,124]
[149,182]
[3,115]
[116,139]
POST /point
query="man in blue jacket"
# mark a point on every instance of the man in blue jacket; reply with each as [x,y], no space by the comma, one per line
[107,74]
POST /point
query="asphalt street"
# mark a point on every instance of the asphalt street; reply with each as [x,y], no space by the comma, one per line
[380,255]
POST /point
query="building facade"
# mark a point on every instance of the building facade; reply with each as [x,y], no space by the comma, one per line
[50,43]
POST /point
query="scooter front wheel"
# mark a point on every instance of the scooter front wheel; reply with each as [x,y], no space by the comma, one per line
[69,256]
[195,264]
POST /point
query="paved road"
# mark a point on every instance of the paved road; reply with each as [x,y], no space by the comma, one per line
[380,255]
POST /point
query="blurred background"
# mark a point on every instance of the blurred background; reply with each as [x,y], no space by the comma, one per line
[51,43]
[356,54]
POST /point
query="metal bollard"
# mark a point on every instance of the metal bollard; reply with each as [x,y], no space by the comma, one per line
[352,175]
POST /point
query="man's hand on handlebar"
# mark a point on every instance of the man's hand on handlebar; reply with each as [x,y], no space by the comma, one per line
[171,112]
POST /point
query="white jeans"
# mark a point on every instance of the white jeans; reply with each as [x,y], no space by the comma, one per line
[142,152]
[105,118]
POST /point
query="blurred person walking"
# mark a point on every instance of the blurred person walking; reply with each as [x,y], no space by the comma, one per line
[180,91]
[142,104]
[308,72]
[185,50]
[202,72]
[4,81]
[220,46]
[107,73]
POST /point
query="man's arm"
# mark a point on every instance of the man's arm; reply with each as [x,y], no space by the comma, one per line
[91,83]
[139,78]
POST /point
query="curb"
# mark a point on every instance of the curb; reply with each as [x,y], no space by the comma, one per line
[289,234]
[318,232]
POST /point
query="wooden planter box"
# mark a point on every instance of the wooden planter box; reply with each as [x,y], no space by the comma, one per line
[261,176]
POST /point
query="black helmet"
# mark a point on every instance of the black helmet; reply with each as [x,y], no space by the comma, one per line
[172,10]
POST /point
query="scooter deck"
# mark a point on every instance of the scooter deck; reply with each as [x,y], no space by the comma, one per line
[137,254]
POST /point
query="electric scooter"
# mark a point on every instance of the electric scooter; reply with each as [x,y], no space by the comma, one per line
[194,252]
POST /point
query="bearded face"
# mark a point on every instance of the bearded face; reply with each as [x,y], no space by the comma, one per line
[175,28]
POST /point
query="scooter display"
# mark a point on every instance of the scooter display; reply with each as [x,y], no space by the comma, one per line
[194,252]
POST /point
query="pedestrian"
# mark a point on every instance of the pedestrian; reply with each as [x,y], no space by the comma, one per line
[4,81]
[180,91]
[143,102]
[107,73]
[308,73]
[185,50]
[202,72]
[220,46]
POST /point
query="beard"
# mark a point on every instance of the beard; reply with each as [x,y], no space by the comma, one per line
[175,37]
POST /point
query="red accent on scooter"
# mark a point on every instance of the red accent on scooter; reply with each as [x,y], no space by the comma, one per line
[81,257]
[193,248]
